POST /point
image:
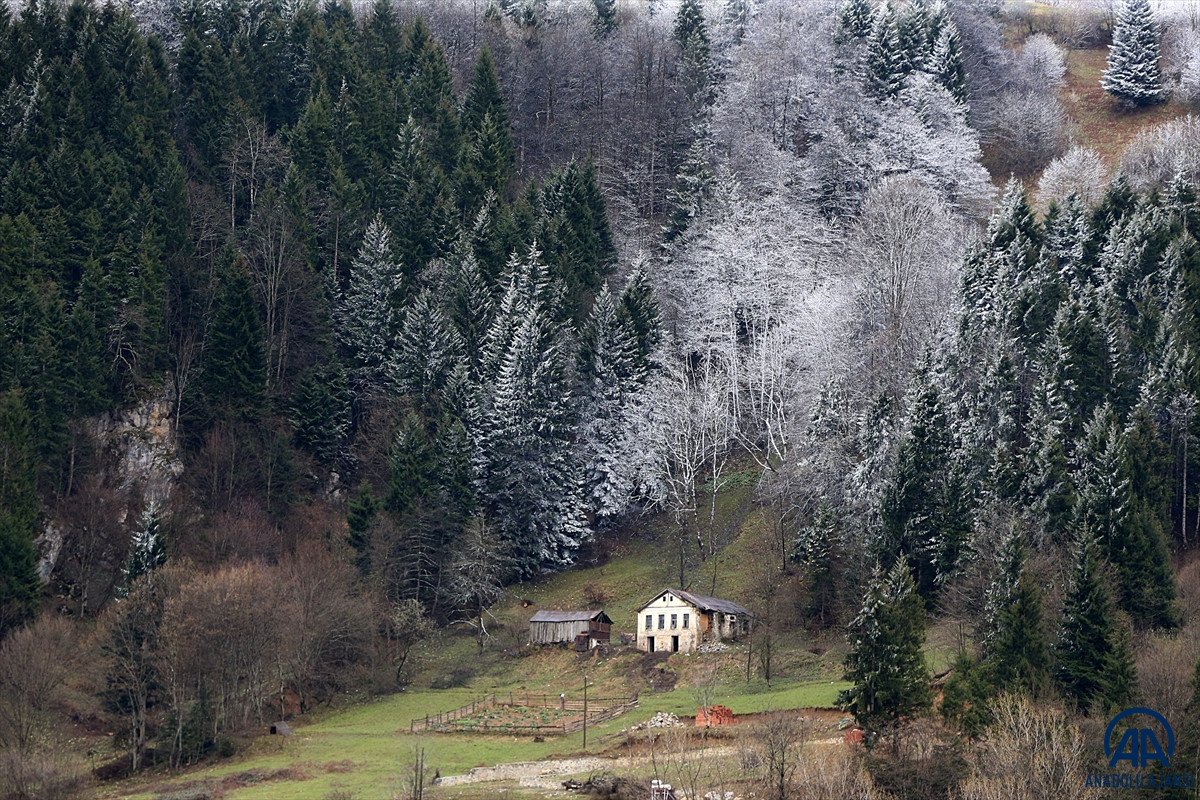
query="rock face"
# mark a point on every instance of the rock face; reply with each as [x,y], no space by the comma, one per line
[141,455]
[141,444]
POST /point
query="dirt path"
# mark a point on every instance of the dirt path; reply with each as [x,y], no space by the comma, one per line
[548,774]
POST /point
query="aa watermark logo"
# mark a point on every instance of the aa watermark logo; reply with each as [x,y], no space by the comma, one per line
[1139,744]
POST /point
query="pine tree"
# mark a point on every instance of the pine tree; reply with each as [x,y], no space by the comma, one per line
[640,312]
[686,198]
[609,377]
[855,19]
[737,18]
[233,380]
[20,586]
[427,352]
[691,34]
[1094,662]
[321,413]
[1133,75]
[485,122]
[1014,642]
[816,550]
[361,518]
[946,63]
[886,663]
[529,481]
[885,63]
[606,18]
[920,515]
[370,312]
[147,551]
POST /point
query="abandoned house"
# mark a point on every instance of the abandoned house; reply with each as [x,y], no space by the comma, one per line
[678,621]
[581,629]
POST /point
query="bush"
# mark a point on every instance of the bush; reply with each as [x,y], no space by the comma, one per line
[39,775]
[455,679]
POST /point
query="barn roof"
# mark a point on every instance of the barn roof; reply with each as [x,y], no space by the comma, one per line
[550,615]
[705,603]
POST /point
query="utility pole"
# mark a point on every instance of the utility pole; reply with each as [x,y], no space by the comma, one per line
[585,711]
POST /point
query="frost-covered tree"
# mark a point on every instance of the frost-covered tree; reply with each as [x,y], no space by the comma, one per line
[945,63]
[529,480]
[611,378]
[885,63]
[147,552]
[1133,74]
[1080,172]
[370,312]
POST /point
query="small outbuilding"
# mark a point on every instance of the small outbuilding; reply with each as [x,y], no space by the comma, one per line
[581,629]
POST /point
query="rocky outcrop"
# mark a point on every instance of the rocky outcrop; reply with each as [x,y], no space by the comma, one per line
[142,459]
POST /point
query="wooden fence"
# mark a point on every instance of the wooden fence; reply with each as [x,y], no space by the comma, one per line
[599,709]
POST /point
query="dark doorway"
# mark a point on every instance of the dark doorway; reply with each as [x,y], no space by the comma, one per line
[650,639]
[674,644]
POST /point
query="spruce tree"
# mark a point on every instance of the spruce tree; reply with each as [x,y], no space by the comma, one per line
[370,312]
[147,552]
[686,198]
[885,63]
[1133,75]
[855,19]
[321,413]
[234,366]
[1094,661]
[606,18]
[427,352]
[1015,648]
[361,517]
[946,63]
[886,663]
[20,586]
[641,314]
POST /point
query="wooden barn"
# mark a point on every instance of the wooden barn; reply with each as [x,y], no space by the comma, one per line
[581,629]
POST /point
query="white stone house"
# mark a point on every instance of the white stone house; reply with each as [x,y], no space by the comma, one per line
[676,621]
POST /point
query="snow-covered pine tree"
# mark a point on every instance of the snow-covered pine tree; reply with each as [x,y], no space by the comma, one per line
[606,18]
[1133,75]
[885,63]
[855,19]
[640,312]
[886,663]
[945,62]
[1094,659]
[736,18]
[369,315]
[1049,484]
[468,302]
[912,27]
[692,182]
[147,551]
[529,479]
[609,377]
[691,34]
[427,351]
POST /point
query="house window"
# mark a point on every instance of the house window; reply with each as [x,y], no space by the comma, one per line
[686,617]
[649,621]
[662,621]
[674,621]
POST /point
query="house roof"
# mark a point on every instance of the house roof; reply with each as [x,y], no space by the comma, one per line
[550,615]
[705,603]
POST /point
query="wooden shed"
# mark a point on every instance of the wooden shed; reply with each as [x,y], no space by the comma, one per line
[582,629]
